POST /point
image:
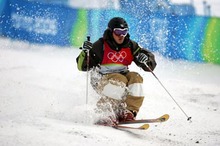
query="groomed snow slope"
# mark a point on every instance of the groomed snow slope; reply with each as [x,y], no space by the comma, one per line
[42,101]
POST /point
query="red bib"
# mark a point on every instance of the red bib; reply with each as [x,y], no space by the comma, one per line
[122,57]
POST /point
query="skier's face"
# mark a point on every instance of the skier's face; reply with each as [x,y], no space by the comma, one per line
[119,34]
[118,39]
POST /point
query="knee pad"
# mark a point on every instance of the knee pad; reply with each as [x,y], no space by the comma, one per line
[114,91]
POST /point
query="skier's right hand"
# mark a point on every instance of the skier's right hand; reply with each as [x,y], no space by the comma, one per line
[87,45]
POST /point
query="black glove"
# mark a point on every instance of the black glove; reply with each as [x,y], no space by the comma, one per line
[142,58]
[87,45]
[146,59]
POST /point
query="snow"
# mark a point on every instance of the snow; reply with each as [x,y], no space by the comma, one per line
[199,6]
[115,4]
[42,101]
[95,4]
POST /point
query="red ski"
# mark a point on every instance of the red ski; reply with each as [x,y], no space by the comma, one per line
[156,120]
[142,127]
[144,122]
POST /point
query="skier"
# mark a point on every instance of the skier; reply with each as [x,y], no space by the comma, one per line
[109,57]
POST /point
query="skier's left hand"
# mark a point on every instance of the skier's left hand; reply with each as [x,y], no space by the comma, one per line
[143,58]
[147,61]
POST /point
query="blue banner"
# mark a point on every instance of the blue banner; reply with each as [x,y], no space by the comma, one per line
[193,38]
[38,23]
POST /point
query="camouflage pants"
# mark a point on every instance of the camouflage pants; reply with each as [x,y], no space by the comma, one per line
[120,90]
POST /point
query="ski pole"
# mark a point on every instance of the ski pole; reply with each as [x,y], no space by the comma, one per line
[188,118]
[87,74]
[87,70]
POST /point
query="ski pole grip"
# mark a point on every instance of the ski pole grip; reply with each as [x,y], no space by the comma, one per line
[88,38]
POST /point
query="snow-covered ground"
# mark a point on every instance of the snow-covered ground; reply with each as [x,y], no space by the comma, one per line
[43,101]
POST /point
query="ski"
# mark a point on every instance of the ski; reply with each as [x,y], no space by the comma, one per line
[156,120]
[142,127]
[144,122]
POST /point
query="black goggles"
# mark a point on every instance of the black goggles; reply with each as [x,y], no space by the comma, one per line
[120,31]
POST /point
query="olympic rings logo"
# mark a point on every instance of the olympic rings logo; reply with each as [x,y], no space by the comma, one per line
[117,56]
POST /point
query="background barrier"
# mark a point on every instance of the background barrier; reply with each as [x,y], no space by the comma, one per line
[193,38]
